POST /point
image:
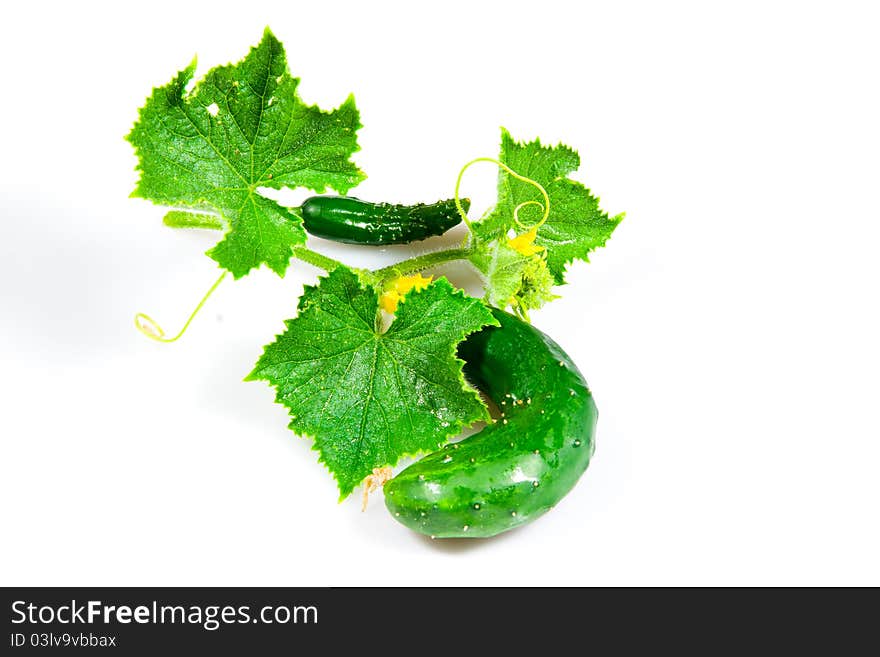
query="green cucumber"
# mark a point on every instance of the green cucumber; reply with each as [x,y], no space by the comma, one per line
[351,220]
[517,468]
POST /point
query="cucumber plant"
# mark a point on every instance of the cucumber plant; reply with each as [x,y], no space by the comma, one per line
[386,363]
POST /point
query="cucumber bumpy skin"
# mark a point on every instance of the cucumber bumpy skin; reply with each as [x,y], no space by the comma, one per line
[517,468]
[353,221]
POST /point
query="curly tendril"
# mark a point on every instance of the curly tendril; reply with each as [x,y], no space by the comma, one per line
[150,327]
[534,183]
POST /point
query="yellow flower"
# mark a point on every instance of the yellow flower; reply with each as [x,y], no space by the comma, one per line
[525,243]
[389,301]
[400,288]
[416,282]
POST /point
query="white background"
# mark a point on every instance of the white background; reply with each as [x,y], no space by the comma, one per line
[729,330]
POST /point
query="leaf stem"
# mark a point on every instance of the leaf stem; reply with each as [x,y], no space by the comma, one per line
[422,262]
[316,259]
[184,219]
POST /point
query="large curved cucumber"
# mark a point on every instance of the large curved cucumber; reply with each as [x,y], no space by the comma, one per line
[517,468]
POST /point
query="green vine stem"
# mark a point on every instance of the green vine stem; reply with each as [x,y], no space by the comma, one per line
[422,262]
[316,259]
[181,219]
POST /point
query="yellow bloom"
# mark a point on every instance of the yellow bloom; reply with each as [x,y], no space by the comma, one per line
[389,301]
[525,243]
[416,282]
[400,288]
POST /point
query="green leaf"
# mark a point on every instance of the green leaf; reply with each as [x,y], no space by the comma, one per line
[576,224]
[369,397]
[242,127]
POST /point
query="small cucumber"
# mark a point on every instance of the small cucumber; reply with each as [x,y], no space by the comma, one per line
[351,220]
[517,468]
